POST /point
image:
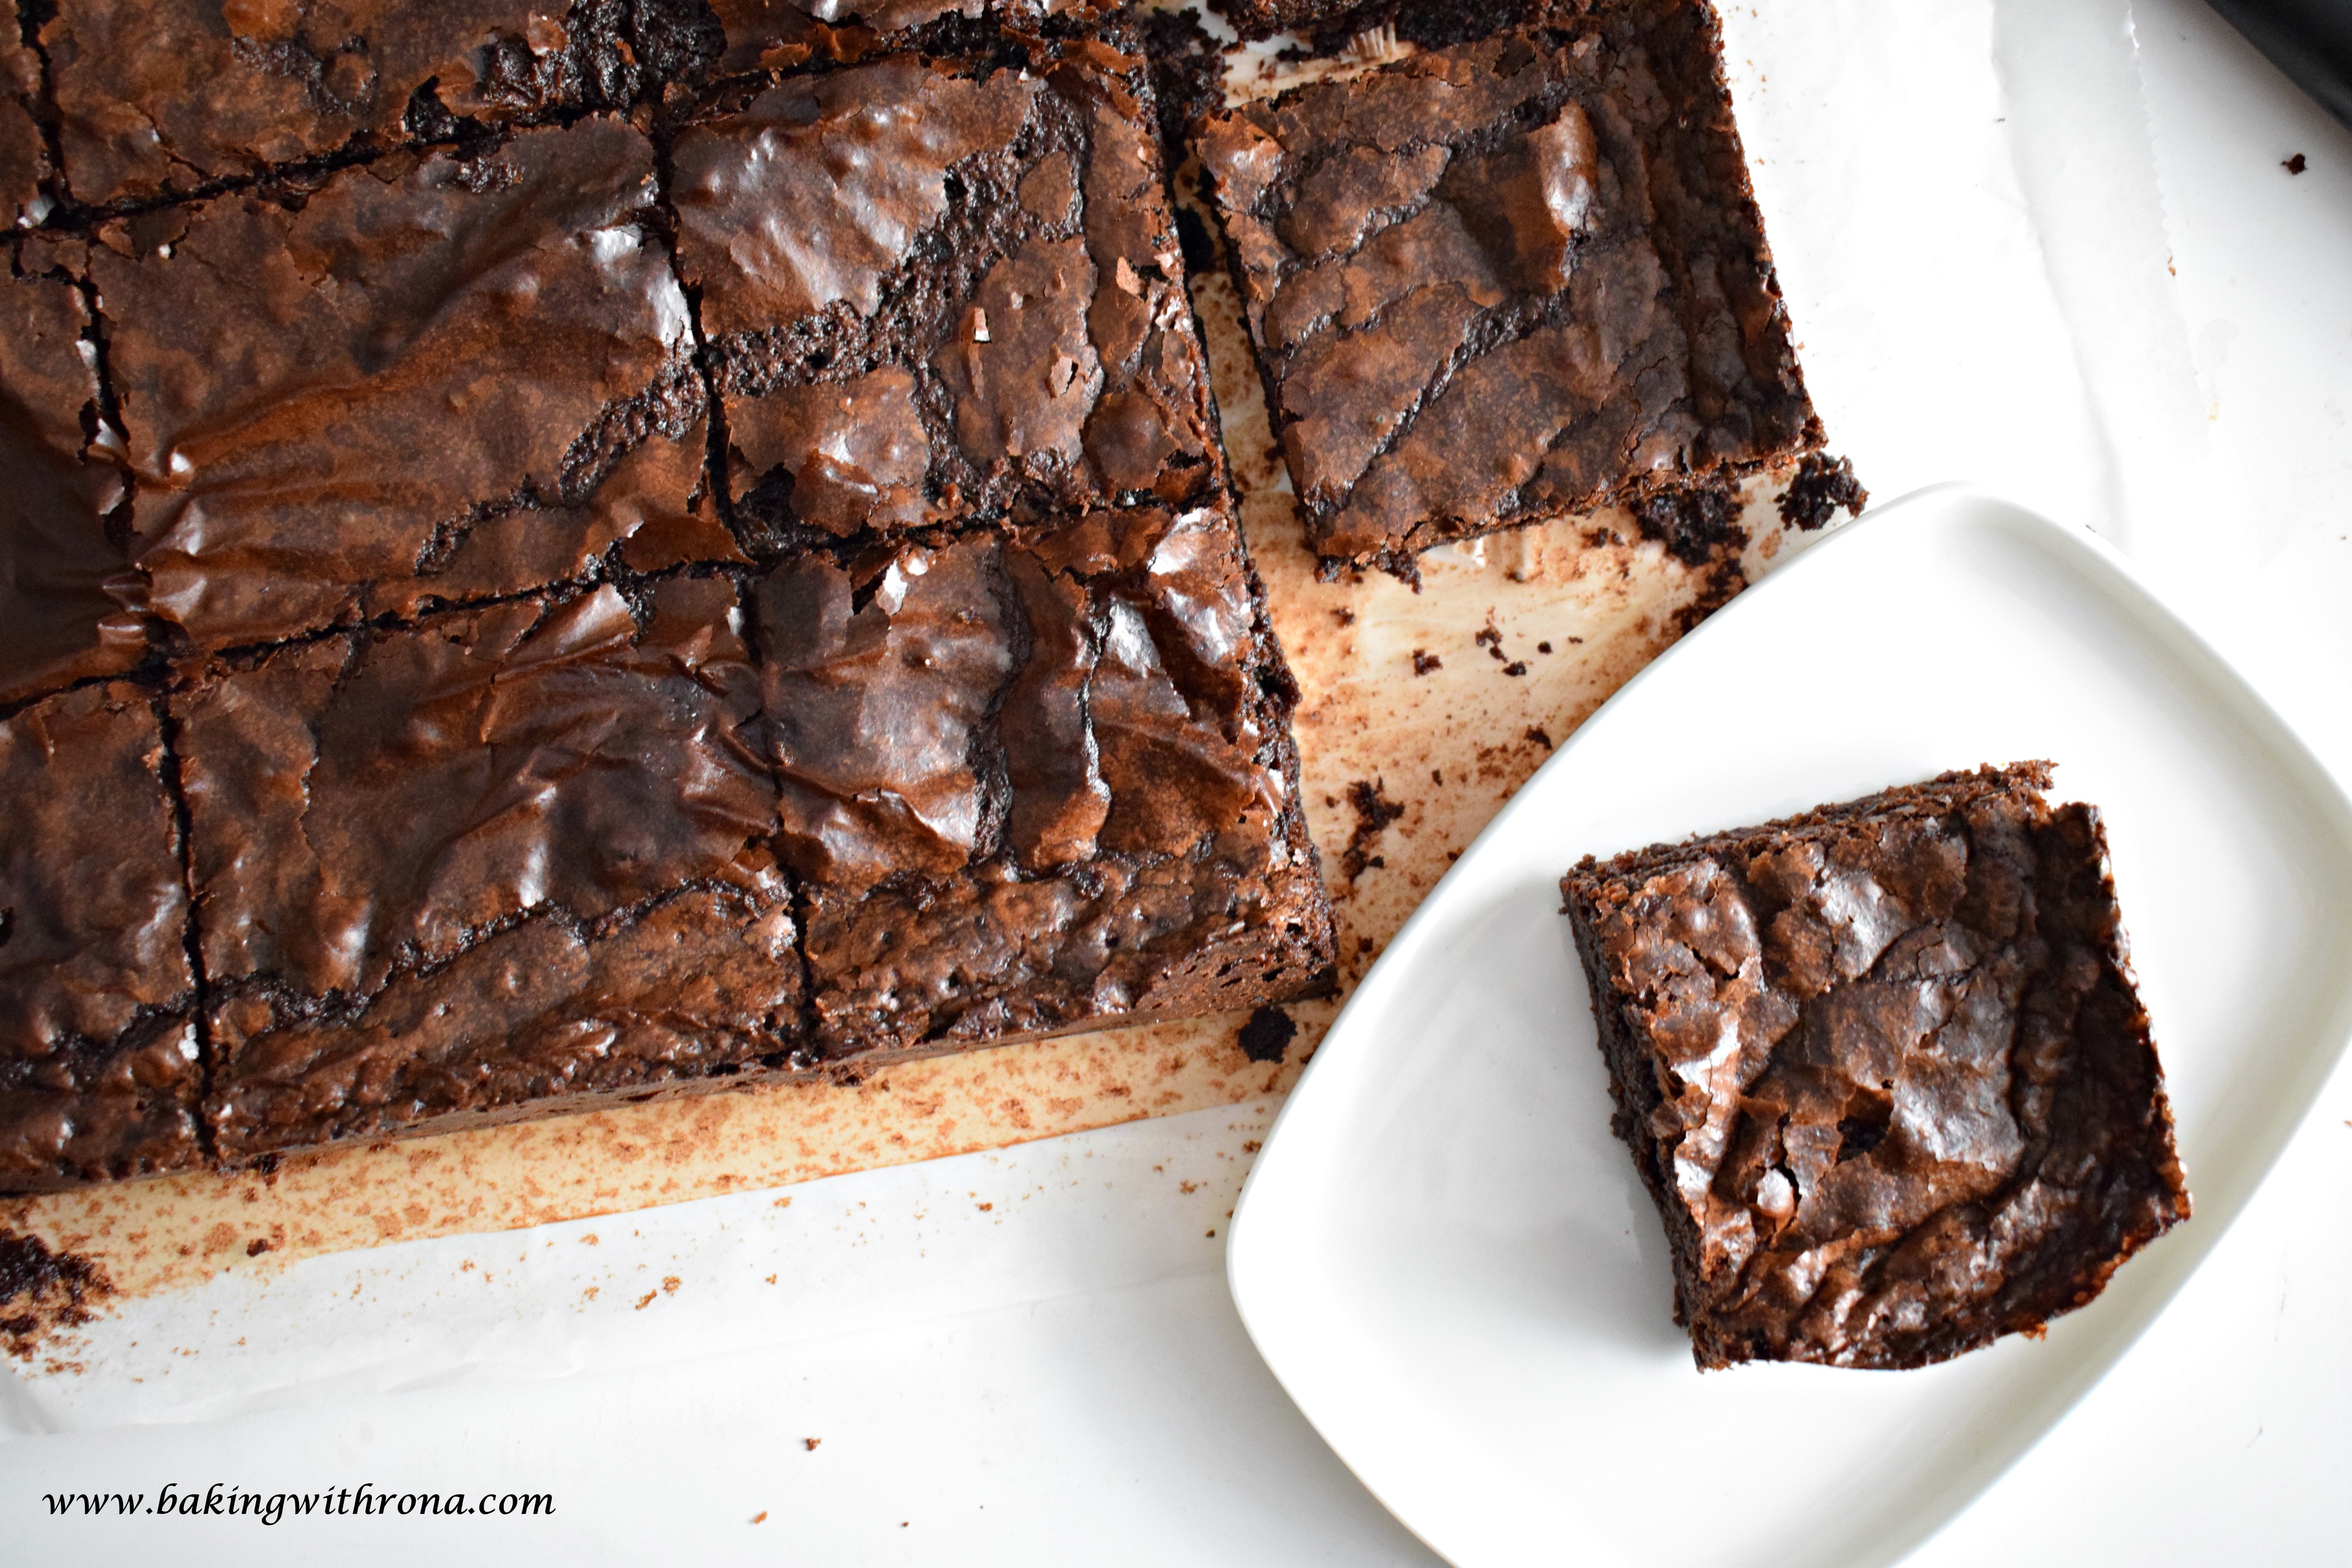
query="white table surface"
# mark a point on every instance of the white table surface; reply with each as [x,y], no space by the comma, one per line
[1061,1377]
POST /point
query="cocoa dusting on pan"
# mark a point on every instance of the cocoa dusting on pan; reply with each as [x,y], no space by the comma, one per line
[42,1293]
[1374,811]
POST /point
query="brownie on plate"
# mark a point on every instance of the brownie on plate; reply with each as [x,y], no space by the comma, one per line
[939,291]
[1038,779]
[430,379]
[1509,279]
[66,612]
[1884,1069]
[497,864]
[99,1074]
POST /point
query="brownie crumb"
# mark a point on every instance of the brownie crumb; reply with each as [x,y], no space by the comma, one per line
[1693,522]
[1541,736]
[1423,661]
[811,1443]
[256,1247]
[43,1291]
[1821,486]
[1374,811]
[1516,666]
[1267,1035]
[1543,647]
[2294,165]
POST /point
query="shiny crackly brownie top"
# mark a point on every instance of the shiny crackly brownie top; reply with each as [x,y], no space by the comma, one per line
[64,615]
[158,97]
[1035,778]
[433,379]
[1507,279]
[1884,1069]
[98,1053]
[938,293]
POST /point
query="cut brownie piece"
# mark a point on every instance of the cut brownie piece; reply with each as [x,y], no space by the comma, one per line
[24,154]
[158,97]
[1884,1069]
[1037,783]
[1509,279]
[97,1050]
[430,381]
[497,865]
[65,610]
[939,292]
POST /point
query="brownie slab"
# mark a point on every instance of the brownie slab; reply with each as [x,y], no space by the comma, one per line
[498,864]
[1507,280]
[65,611]
[1034,782]
[430,381]
[161,97]
[98,1077]
[1884,1069]
[939,292]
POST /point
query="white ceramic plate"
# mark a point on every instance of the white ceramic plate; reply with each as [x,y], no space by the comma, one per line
[1448,1261]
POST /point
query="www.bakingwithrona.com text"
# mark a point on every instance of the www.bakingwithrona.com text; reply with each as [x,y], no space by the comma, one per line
[363,1502]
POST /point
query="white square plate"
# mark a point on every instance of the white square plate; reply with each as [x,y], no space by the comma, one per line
[1449,1261]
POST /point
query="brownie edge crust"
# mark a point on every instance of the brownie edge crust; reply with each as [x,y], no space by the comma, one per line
[1884,1069]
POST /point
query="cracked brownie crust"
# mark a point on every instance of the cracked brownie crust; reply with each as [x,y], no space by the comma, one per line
[1507,280]
[512,857]
[429,381]
[1037,781]
[995,324]
[1884,1069]
[98,1073]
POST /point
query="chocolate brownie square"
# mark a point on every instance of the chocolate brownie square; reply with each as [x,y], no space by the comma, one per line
[65,609]
[1037,781]
[1884,1069]
[163,97]
[430,381]
[503,863]
[937,292]
[1509,279]
[97,1048]
[24,154]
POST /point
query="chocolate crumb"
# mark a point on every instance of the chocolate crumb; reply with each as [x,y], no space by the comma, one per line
[1543,647]
[1374,812]
[256,1247]
[1820,488]
[1437,776]
[1423,661]
[1345,616]
[43,1291]
[1694,520]
[1536,734]
[1516,666]
[2294,165]
[1267,1035]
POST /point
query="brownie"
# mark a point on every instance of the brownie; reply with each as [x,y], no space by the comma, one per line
[1884,1069]
[163,97]
[24,156]
[98,1049]
[1509,279]
[500,863]
[940,293]
[1034,781]
[781,34]
[65,610]
[430,381]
